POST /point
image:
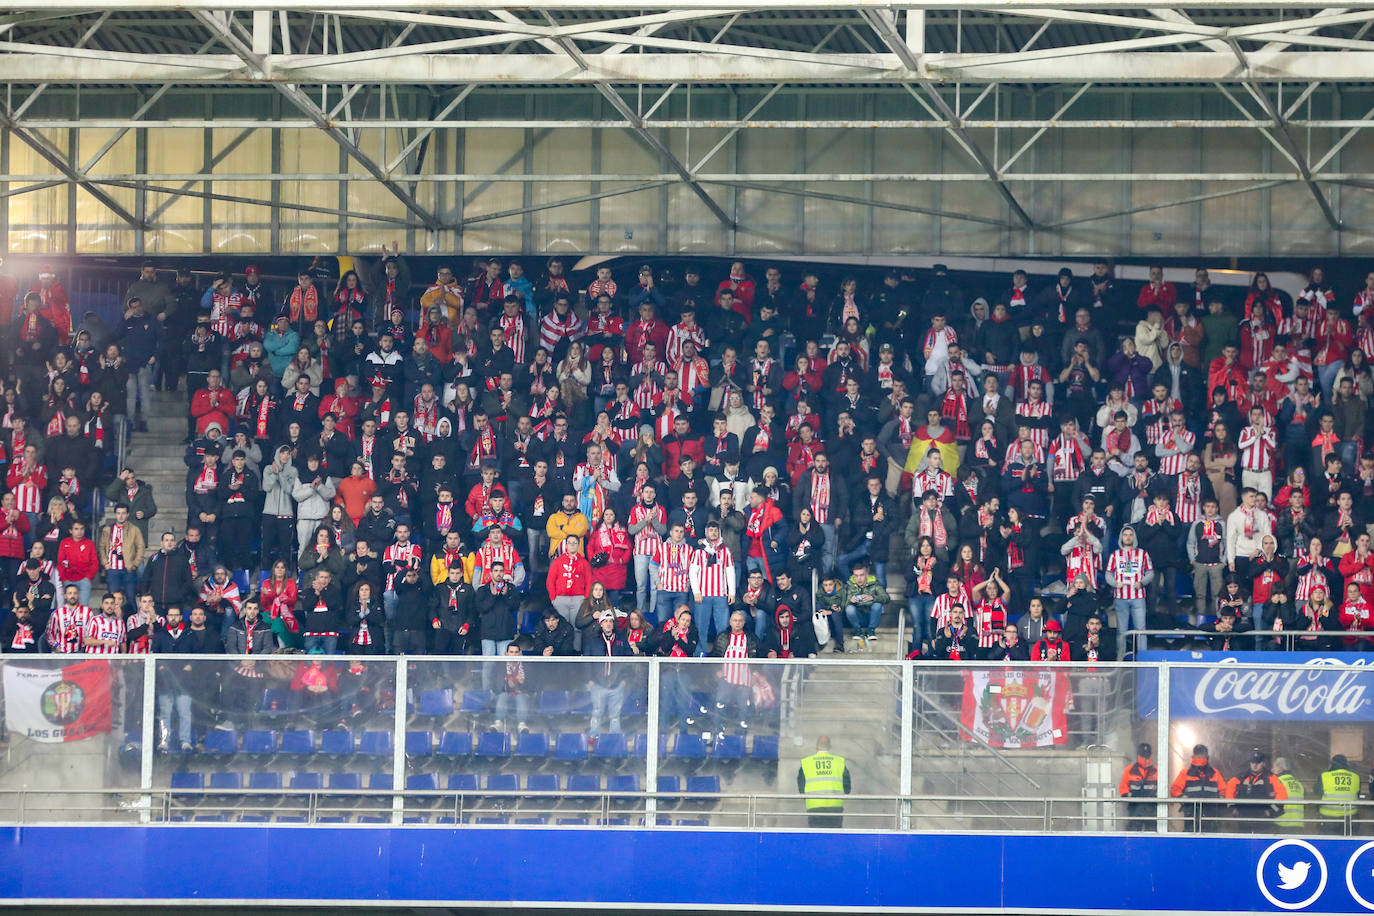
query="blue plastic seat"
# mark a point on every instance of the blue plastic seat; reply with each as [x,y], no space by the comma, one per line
[337,742]
[613,822]
[455,744]
[476,701]
[572,822]
[581,704]
[419,744]
[703,785]
[571,746]
[374,819]
[253,818]
[493,744]
[669,786]
[765,748]
[728,747]
[532,744]
[584,783]
[259,741]
[462,782]
[307,781]
[422,782]
[226,780]
[501,782]
[375,744]
[492,819]
[209,818]
[693,822]
[331,819]
[611,747]
[265,781]
[293,819]
[688,747]
[298,741]
[623,782]
[345,781]
[436,702]
[531,821]
[641,746]
[554,703]
[415,819]
[542,782]
[636,704]
[380,782]
[185,780]
[221,741]
[279,701]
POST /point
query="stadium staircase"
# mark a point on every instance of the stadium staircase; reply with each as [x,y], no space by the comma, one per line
[158,459]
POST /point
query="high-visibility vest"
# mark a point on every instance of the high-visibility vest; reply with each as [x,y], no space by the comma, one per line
[1339,786]
[824,786]
[1291,818]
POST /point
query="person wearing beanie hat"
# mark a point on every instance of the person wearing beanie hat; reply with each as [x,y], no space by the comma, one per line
[1140,780]
[1256,785]
[1196,782]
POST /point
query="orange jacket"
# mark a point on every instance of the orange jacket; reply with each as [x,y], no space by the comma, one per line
[1200,780]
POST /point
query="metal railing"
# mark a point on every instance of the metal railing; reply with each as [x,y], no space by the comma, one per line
[1292,640]
[720,810]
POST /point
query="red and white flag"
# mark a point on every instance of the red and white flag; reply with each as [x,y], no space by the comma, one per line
[1015,708]
[65,703]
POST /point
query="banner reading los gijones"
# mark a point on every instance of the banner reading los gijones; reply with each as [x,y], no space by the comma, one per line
[58,704]
[1015,708]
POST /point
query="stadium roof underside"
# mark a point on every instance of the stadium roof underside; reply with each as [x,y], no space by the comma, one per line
[996,83]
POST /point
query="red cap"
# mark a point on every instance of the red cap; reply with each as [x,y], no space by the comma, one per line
[1053,625]
[252,269]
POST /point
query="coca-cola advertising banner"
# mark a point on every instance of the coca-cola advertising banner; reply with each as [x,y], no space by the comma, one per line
[1247,685]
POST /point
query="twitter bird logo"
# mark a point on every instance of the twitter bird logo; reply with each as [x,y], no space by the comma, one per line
[1293,876]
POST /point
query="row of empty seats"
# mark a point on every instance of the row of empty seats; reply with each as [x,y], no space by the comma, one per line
[490,819]
[565,746]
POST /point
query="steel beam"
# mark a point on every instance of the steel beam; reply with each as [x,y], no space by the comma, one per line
[307,106]
[885,25]
[343,7]
[54,157]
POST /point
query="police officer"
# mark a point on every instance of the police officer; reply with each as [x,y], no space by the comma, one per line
[823,779]
[1337,787]
[1257,785]
[1198,783]
[1291,818]
[1140,780]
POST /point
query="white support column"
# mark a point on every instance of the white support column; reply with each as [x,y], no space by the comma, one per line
[916,31]
[145,778]
[262,32]
[651,752]
[398,741]
[908,739]
[1162,748]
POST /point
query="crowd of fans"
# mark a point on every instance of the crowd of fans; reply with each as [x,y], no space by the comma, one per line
[649,463]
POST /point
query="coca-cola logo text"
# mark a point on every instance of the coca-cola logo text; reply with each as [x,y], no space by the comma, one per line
[1319,690]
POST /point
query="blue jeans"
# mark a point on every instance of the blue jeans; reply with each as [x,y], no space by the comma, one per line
[667,603]
[389,613]
[137,389]
[492,673]
[521,701]
[711,610]
[606,703]
[831,549]
[330,644]
[181,704]
[1132,610]
[646,583]
[875,613]
[122,580]
[921,628]
[846,559]
[677,700]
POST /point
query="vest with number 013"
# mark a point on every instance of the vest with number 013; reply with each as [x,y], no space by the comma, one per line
[824,786]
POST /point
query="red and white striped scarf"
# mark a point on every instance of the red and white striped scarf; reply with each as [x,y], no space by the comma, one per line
[820,496]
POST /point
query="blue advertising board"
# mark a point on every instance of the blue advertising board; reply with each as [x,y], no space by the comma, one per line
[629,868]
[1330,687]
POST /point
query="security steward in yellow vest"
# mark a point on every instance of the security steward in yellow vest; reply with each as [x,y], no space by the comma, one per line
[1140,780]
[824,780]
[1291,818]
[1337,787]
[1258,785]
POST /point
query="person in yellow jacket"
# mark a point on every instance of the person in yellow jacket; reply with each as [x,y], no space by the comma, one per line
[1292,816]
[1337,787]
[824,779]
[568,520]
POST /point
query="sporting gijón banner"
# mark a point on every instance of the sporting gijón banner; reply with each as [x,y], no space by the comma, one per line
[58,704]
[1015,708]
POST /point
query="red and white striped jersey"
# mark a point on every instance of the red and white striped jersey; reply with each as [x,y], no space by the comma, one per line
[1036,410]
[397,558]
[693,375]
[222,309]
[102,627]
[28,485]
[486,555]
[552,329]
[673,562]
[1256,448]
[1128,567]
[712,571]
[1155,416]
[1082,560]
[67,628]
[1188,502]
[515,334]
[675,338]
[1181,442]
[1068,457]
[939,611]
[991,618]
[647,538]
[737,647]
[939,481]
[1014,452]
